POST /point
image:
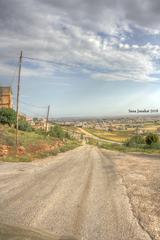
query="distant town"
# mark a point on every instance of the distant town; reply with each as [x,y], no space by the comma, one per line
[137,124]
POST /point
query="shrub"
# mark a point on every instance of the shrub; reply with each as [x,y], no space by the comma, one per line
[151,138]
[7,116]
[135,140]
[40,131]
[35,119]
[69,146]
[81,136]
[155,145]
[23,125]
[57,132]
[66,135]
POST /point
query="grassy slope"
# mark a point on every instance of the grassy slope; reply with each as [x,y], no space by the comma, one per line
[118,136]
[36,145]
[123,148]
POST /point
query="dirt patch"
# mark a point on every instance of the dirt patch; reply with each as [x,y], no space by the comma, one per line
[44,147]
[141,176]
[4,150]
[21,150]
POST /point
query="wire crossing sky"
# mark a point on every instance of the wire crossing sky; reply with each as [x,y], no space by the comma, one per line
[84,58]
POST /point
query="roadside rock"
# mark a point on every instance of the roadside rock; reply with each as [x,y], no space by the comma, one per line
[21,150]
[4,150]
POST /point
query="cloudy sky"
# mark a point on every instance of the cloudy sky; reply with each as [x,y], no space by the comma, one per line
[90,58]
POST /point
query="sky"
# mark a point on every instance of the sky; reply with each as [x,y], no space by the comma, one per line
[83,57]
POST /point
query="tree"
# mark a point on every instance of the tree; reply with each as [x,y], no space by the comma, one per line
[151,138]
[7,116]
[23,125]
[35,119]
[135,140]
[57,132]
[66,135]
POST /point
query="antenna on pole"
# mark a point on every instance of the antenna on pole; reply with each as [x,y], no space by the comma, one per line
[17,106]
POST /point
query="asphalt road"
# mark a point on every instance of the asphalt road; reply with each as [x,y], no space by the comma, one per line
[77,194]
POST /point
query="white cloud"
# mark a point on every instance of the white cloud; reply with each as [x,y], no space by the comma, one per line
[73,33]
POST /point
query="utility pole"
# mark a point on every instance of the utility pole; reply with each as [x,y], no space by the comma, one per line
[47,117]
[17,106]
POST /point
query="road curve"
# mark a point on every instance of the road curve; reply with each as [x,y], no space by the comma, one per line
[77,193]
[90,135]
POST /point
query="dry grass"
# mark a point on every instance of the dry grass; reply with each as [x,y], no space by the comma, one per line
[151,128]
[116,136]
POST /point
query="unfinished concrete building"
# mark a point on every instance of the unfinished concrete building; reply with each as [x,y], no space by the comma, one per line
[6,97]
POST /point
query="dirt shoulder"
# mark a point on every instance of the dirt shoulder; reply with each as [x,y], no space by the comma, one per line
[141,176]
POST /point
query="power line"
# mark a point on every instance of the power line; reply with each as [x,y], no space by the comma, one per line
[14,75]
[77,66]
[4,56]
[80,66]
[31,105]
[33,114]
[28,112]
[39,60]
[49,61]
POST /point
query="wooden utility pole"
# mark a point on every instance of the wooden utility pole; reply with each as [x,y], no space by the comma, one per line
[17,106]
[47,118]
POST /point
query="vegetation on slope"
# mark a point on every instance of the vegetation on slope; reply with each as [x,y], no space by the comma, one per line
[137,143]
[32,143]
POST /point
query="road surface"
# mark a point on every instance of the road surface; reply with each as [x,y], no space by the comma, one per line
[90,135]
[77,194]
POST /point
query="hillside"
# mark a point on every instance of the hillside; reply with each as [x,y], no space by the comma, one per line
[32,145]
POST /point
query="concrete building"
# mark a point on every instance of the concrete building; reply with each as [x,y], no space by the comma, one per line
[6,97]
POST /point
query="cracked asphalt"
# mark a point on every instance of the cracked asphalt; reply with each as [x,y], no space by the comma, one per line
[76,195]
